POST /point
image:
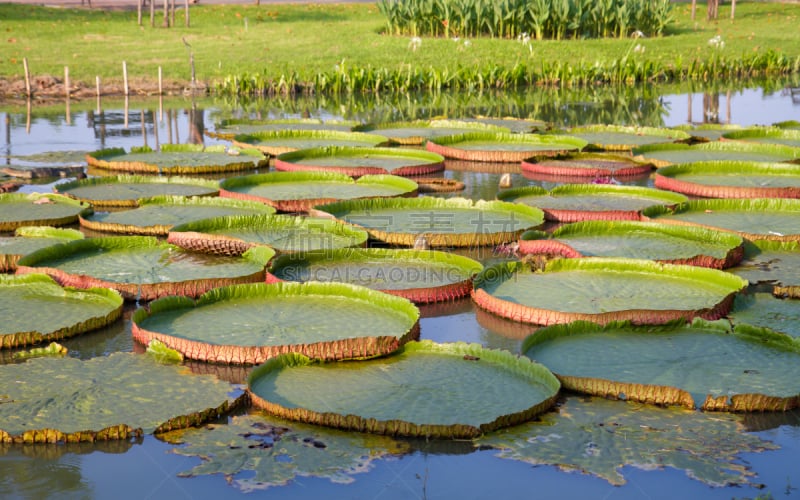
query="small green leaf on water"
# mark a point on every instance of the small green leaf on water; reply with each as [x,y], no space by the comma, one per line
[54,349]
[163,353]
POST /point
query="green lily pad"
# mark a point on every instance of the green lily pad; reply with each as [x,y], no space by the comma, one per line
[577,202]
[249,324]
[157,215]
[227,129]
[255,452]
[108,397]
[774,262]
[60,312]
[52,349]
[277,142]
[42,172]
[425,389]
[299,191]
[767,311]
[591,165]
[442,222]
[362,161]
[662,155]
[233,235]
[638,240]
[502,147]
[28,239]
[707,132]
[625,138]
[754,219]
[731,179]
[178,159]
[603,290]
[37,209]
[788,124]
[703,365]
[127,190]
[600,438]
[142,267]
[769,135]
[415,133]
[419,275]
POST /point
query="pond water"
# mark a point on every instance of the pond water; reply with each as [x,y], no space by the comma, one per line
[151,468]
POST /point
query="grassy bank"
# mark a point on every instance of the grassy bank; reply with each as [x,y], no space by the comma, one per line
[340,47]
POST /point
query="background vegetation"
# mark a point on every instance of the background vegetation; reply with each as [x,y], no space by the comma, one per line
[343,47]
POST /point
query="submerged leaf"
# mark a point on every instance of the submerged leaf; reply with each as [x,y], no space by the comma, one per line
[276,452]
[54,349]
[161,352]
[600,437]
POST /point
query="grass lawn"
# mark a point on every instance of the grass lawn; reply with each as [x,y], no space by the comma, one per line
[307,40]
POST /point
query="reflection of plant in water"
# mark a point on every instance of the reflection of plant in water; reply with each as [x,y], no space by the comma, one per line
[600,437]
[255,452]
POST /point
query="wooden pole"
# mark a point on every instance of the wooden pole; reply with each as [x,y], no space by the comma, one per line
[689,115]
[694,8]
[144,127]
[28,118]
[169,126]
[733,8]
[172,12]
[27,77]
[155,131]
[152,13]
[165,23]
[66,92]
[125,77]
[126,112]
[728,104]
[139,11]
[160,87]
[186,11]
[97,86]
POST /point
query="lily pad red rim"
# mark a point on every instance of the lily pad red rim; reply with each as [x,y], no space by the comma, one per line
[277,149]
[293,161]
[467,268]
[228,187]
[669,178]
[559,145]
[635,168]
[346,348]
[542,316]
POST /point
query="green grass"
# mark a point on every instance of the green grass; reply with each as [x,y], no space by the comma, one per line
[302,42]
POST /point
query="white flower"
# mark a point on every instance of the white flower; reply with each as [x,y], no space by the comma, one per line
[456,39]
[415,43]
[639,49]
[467,43]
[716,42]
[638,34]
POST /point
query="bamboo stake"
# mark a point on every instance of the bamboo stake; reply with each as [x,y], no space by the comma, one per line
[186,12]
[125,76]
[160,91]
[152,13]
[27,77]
[97,86]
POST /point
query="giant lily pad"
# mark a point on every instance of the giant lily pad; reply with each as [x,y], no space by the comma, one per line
[769,135]
[706,132]
[601,438]
[227,129]
[591,165]
[662,155]
[157,215]
[603,290]
[235,234]
[178,159]
[577,202]
[41,172]
[638,240]
[418,275]
[28,239]
[767,311]
[36,209]
[774,262]
[278,142]
[501,147]
[362,161]
[425,389]
[703,365]
[255,452]
[127,190]
[108,397]
[249,324]
[625,138]
[754,219]
[442,222]
[299,191]
[142,267]
[415,133]
[60,312]
[731,179]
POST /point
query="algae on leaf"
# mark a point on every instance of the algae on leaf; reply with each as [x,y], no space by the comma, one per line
[600,437]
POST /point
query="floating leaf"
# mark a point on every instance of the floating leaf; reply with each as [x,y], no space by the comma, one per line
[600,437]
